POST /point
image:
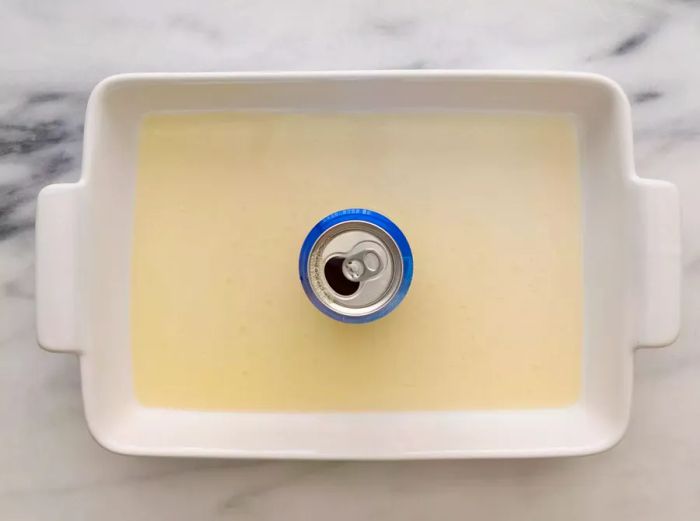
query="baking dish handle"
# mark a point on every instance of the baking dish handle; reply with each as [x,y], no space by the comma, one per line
[56,271]
[658,218]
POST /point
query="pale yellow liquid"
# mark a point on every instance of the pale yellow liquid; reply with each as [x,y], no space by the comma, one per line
[490,204]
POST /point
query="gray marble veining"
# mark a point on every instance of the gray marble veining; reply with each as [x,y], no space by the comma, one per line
[52,53]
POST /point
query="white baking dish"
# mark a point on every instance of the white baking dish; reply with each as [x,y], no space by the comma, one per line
[631,264]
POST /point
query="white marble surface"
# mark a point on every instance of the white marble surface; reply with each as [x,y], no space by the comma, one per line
[52,53]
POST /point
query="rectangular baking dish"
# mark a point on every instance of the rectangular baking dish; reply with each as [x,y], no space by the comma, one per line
[631,260]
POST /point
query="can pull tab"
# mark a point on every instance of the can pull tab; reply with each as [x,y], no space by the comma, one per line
[363,262]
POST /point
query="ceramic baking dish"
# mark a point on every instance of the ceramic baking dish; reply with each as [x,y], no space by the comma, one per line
[631,250]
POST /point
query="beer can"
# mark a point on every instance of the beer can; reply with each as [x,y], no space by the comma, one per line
[355,265]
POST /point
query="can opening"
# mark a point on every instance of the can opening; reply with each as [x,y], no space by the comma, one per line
[333,271]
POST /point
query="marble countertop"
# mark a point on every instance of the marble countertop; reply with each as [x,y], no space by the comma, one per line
[52,55]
